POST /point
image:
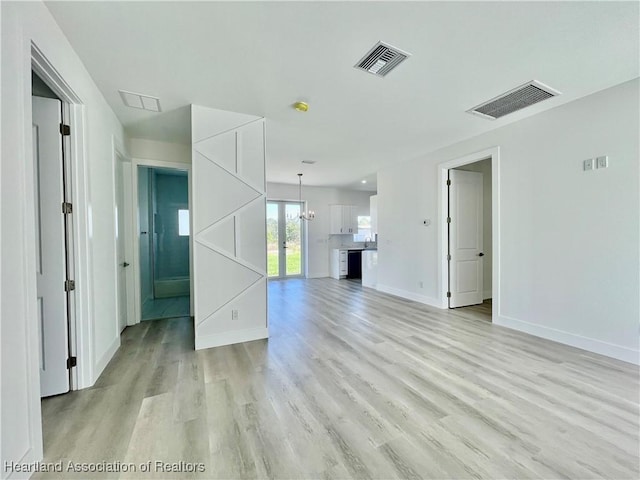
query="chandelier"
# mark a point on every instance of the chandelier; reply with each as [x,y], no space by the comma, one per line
[310,214]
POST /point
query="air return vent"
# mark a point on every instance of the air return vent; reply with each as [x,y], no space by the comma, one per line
[141,101]
[520,97]
[381,59]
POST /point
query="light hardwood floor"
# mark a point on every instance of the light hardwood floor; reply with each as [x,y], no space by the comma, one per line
[354,384]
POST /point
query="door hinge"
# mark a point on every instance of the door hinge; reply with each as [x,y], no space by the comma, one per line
[448,183]
[448,219]
[448,294]
[69,285]
[65,129]
[67,208]
[72,362]
[449,257]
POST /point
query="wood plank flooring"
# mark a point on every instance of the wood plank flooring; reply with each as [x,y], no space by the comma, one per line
[352,384]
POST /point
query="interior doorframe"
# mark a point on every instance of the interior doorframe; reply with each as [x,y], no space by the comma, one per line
[135,229]
[303,243]
[443,238]
[81,305]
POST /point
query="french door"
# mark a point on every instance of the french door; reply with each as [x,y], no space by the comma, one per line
[285,239]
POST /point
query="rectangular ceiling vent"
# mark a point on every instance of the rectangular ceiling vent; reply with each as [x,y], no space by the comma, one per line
[520,97]
[381,59]
[138,100]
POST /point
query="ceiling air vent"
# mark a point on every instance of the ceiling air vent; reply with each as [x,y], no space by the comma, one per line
[141,101]
[381,59]
[520,97]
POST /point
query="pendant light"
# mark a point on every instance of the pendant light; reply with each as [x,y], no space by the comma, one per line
[309,215]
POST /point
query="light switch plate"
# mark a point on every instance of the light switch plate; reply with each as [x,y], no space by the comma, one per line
[587,164]
[602,162]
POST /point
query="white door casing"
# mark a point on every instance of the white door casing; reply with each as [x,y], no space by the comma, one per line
[229,227]
[465,238]
[50,247]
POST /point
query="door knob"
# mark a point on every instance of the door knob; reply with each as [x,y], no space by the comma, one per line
[125,264]
[481,254]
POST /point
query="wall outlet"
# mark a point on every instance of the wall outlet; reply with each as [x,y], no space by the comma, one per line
[234,314]
[602,162]
[587,164]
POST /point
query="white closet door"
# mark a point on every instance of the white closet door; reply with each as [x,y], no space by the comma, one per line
[50,246]
[465,238]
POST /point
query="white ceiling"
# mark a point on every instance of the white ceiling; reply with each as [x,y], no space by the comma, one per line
[259,58]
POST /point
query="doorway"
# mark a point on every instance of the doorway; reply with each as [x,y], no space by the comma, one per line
[285,240]
[53,232]
[163,242]
[470,232]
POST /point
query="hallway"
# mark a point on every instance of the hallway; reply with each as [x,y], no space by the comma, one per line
[353,383]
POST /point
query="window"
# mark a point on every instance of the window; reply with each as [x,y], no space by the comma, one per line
[183,223]
[364,229]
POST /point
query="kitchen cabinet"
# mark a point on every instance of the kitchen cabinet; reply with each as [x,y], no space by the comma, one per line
[344,219]
[339,263]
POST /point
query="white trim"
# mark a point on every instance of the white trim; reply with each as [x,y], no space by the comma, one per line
[102,362]
[135,264]
[433,302]
[443,274]
[585,343]
[230,338]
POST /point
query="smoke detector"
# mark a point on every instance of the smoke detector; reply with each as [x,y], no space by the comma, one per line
[381,59]
[140,101]
[515,99]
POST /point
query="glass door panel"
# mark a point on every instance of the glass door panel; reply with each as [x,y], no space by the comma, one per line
[285,240]
[293,255]
[273,240]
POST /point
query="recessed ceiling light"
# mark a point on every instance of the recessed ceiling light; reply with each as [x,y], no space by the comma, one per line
[301,106]
[364,181]
[140,101]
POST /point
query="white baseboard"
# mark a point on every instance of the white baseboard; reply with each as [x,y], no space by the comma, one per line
[487,294]
[585,343]
[410,296]
[104,360]
[229,338]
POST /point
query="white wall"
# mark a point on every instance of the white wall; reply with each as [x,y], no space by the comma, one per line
[143,148]
[23,22]
[229,227]
[318,199]
[569,239]
[484,167]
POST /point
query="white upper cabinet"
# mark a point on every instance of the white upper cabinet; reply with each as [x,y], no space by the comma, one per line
[344,219]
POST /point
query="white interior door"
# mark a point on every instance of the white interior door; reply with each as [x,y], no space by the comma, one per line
[120,245]
[465,238]
[50,246]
